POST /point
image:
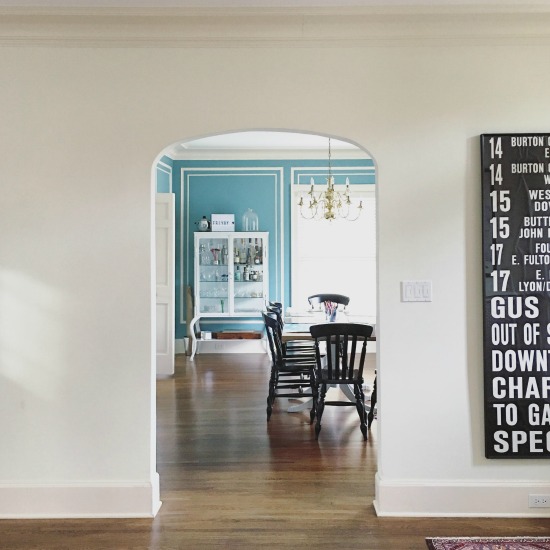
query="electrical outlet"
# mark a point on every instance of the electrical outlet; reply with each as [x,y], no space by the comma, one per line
[539,501]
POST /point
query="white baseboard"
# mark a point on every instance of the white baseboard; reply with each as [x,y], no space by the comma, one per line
[80,500]
[225,346]
[231,346]
[440,498]
[180,345]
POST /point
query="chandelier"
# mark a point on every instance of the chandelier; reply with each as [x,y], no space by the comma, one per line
[329,203]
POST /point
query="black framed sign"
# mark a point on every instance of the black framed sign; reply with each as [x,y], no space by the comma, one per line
[516,294]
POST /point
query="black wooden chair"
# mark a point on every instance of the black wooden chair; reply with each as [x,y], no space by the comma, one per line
[340,367]
[290,373]
[292,346]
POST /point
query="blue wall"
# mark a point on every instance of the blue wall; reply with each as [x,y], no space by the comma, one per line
[164,175]
[203,188]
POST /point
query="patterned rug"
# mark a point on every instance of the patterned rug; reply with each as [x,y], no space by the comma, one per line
[483,543]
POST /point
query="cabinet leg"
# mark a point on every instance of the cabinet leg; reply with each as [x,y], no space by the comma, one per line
[193,337]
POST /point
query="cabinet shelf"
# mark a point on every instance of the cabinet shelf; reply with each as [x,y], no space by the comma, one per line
[215,282]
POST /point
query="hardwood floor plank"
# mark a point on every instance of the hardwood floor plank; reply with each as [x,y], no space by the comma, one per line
[231,480]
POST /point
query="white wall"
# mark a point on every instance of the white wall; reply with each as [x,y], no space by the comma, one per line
[81,127]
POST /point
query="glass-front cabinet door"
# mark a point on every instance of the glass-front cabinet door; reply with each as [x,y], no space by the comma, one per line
[231,274]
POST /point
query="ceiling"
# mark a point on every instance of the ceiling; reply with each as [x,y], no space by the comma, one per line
[276,144]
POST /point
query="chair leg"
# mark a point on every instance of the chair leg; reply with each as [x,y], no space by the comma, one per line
[360,405]
[319,409]
[372,404]
[315,393]
[271,393]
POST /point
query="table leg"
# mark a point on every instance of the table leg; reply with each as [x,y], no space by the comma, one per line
[348,392]
[300,406]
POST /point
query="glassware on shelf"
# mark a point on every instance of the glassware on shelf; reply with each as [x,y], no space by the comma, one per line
[250,221]
[216,255]
[204,258]
[229,273]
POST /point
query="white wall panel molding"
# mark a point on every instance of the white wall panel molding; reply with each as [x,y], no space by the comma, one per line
[186,235]
[327,27]
[80,500]
[442,498]
[300,175]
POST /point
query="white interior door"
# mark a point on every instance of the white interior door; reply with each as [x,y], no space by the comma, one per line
[165,261]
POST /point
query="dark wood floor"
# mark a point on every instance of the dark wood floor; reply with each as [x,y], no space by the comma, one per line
[231,480]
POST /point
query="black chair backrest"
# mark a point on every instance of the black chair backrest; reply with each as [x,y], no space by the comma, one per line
[277,305]
[277,314]
[317,299]
[346,347]
[273,336]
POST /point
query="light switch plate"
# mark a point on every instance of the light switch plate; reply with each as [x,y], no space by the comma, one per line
[416,291]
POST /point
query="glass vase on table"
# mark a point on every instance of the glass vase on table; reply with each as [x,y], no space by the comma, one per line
[331,309]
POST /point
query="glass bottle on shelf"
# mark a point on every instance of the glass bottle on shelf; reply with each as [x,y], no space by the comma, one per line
[237,274]
[243,253]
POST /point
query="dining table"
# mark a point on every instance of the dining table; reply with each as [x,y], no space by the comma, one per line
[296,327]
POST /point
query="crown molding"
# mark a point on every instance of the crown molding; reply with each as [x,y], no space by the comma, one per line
[480,7]
[261,154]
[319,27]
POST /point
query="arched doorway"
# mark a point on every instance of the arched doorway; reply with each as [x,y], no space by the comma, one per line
[278,163]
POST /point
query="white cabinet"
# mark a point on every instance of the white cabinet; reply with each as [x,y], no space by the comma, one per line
[231,275]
